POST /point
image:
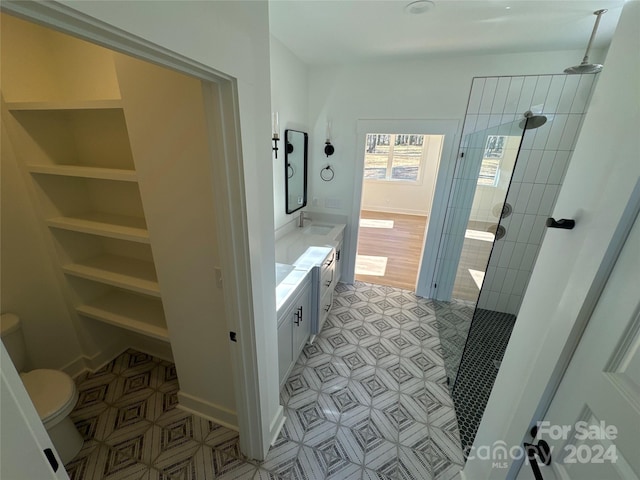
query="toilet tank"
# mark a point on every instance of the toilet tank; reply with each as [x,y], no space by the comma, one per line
[11,335]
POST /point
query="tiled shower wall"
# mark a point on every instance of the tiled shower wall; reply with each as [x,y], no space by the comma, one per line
[494,104]
[544,156]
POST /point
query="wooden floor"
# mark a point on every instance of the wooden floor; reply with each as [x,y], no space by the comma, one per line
[401,245]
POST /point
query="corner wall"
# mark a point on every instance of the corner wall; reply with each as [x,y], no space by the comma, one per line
[290,98]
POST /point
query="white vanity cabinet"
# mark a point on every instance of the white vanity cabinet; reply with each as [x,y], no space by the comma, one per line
[294,327]
[325,279]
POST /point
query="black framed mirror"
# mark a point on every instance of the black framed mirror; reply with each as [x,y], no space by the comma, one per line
[295,170]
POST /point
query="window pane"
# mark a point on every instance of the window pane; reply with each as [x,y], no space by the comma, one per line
[488,171]
[407,156]
[376,156]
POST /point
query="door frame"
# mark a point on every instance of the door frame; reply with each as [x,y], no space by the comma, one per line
[435,225]
[225,156]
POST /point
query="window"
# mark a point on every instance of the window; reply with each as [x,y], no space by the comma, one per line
[490,167]
[394,156]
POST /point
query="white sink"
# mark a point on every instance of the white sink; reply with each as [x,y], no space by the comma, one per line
[317,229]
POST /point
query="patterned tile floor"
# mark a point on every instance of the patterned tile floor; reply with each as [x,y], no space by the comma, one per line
[367,400]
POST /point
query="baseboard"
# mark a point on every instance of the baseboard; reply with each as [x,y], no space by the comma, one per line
[400,211]
[85,363]
[276,424]
[215,413]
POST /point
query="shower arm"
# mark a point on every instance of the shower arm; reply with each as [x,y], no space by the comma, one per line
[599,13]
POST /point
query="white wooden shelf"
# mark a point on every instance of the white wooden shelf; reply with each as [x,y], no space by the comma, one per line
[107,225]
[131,312]
[65,105]
[86,172]
[130,274]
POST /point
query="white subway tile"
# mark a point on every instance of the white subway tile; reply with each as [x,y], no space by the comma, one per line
[489,276]
[499,279]
[516,256]
[540,94]
[469,127]
[496,252]
[538,230]
[583,94]
[559,167]
[548,200]
[529,257]
[542,135]
[525,229]
[483,298]
[523,198]
[477,88]
[482,123]
[514,304]
[505,255]
[545,166]
[503,302]
[520,284]
[568,139]
[488,94]
[532,165]
[526,95]
[521,163]
[513,228]
[568,93]
[555,132]
[509,280]
[555,90]
[513,96]
[514,190]
[535,199]
[500,97]
[492,301]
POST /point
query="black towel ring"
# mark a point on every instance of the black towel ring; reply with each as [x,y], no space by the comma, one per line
[290,170]
[327,173]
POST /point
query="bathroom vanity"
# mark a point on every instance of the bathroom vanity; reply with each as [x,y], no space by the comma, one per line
[306,276]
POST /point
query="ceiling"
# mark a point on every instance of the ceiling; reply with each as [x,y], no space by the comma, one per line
[322,32]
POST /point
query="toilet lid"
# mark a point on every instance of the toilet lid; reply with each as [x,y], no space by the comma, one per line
[50,390]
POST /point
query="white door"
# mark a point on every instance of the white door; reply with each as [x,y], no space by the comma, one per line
[23,438]
[593,422]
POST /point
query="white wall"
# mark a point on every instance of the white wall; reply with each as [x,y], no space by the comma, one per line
[433,88]
[571,266]
[290,98]
[406,197]
[30,286]
[232,38]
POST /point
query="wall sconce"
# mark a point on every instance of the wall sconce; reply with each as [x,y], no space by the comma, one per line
[276,133]
[328,148]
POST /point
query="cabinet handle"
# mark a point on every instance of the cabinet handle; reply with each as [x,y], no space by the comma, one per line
[327,307]
[338,255]
[298,316]
[329,282]
[329,262]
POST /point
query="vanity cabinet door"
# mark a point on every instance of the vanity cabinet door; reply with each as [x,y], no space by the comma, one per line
[338,266]
[301,321]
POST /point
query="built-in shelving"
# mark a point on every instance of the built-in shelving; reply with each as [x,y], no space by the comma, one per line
[109,225]
[82,171]
[65,105]
[131,274]
[132,312]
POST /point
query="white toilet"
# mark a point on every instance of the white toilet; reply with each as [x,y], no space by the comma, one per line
[53,393]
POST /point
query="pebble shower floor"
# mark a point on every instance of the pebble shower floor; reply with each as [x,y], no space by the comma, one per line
[367,400]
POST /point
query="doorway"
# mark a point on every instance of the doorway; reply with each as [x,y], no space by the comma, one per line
[221,132]
[398,185]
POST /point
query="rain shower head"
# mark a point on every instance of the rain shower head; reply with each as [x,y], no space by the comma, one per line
[532,121]
[585,66]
